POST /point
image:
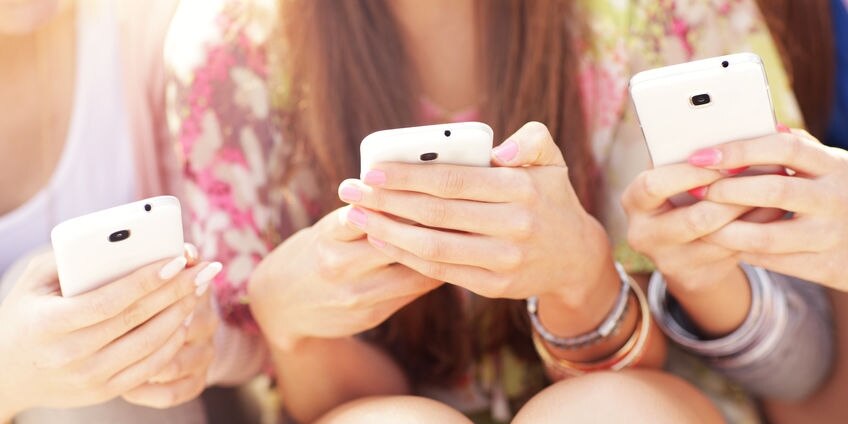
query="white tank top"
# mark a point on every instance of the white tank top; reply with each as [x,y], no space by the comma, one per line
[96,169]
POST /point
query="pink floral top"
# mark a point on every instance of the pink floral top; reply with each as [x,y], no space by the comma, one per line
[221,113]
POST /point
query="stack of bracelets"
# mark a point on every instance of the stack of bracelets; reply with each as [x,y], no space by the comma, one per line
[760,354]
[629,353]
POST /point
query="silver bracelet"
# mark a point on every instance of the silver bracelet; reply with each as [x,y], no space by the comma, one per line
[608,327]
[755,338]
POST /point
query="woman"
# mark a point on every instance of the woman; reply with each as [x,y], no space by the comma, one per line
[345,69]
[811,244]
[73,74]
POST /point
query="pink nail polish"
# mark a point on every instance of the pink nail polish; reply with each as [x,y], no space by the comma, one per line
[350,194]
[507,151]
[699,193]
[375,178]
[783,128]
[376,242]
[357,217]
[735,171]
[706,157]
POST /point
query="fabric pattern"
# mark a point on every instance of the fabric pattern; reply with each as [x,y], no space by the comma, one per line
[223,116]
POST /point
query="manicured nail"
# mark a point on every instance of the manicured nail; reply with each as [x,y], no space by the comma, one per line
[187,321]
[699,193]
[191,251]
[706,157]
[507,151]
[375,178]
[172,268]
[350,194]
[376,242]
[201,281]
[735,171]
[783,128]
[357,217]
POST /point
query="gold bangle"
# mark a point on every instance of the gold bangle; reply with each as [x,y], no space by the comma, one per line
[626,356]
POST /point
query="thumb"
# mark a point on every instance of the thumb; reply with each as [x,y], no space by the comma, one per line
[39,275]
[531,145]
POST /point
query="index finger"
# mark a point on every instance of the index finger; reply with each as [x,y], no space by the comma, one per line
[492,185]
[652,188]
[798,151]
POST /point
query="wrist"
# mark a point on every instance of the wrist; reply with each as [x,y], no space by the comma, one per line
[592,276]
[718,308]
[568,312]
[267,314]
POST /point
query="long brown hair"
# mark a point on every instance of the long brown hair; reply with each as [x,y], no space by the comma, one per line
[351,76]
[803,32]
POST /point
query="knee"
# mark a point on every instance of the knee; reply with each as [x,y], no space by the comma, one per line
[394,409]
[634,396]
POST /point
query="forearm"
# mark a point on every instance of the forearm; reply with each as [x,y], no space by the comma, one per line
[318,375]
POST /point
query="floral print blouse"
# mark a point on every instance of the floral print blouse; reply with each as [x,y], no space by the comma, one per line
[223,97]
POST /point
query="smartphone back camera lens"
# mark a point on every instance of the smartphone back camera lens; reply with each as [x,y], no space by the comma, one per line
[725,64]
[447,133]
[700,100]
[427,157]
[119,236]
[147,207]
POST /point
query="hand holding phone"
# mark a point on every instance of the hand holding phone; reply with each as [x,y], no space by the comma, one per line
[76,351]
[490,230]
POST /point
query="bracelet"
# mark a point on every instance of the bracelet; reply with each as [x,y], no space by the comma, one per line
[758,334]
[604,330]
[628,355]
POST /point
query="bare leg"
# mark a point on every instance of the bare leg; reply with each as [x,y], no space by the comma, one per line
[394,409]
[634,396]
[828,405]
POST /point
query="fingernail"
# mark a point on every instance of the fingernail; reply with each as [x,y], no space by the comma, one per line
[350,194]
[188,319]
[357,217]
[172,268]
[706,157]
[783,128]
[507,151]
[206,275]
[191,251]
[375,178]
[376,242]
[699,193]
[736,171]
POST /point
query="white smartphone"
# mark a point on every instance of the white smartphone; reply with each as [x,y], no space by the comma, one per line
[464,143]
[95,249]
[691,106]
